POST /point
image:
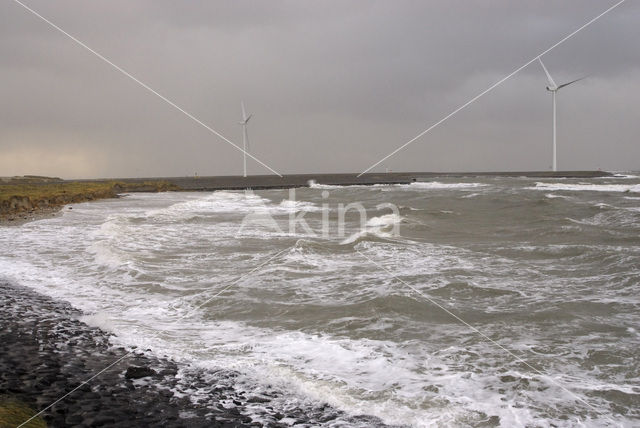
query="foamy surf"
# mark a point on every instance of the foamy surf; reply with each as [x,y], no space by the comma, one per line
[383,227]
[438,185]
[324,325]
[314,185]
[634,188]
[435,185]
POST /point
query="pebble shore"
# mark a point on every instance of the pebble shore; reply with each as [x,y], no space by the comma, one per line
[18,219]
[47,351]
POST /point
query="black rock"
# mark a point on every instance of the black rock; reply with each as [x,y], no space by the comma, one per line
[134,372]
[47,353]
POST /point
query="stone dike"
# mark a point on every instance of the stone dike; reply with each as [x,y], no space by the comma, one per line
[62,372]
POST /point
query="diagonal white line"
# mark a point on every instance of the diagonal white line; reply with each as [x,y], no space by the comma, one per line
[484,336]
[130,352]
[148,88]
[76,388]
[240,279]
[490,88]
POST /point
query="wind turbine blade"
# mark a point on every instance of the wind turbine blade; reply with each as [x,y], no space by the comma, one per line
[244,114]
[549,78]
[247,119]
[573,81]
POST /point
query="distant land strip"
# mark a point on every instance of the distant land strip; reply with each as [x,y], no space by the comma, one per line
[258,182]
[27,197]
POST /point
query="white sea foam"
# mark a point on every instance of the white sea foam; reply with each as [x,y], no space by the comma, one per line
[582,187]
[161,268]
[418,185]
[625,175]
[384,226]
[216,202]
[472,195]
[99,320]
[314,185]
[384,221]
[364,234]
[436,185]
[105,244]
[612,218]
[602,205]
[554,196]
[288,205]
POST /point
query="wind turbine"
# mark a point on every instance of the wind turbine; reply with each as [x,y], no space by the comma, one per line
[245,138]
[553,88]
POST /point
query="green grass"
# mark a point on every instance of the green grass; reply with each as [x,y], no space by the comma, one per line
[60,193]
[14,412]
[37,192]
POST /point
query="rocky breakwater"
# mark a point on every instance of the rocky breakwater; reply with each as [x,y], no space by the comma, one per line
[65,373]
[47,353]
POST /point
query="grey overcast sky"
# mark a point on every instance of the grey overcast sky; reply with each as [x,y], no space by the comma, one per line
[333,86]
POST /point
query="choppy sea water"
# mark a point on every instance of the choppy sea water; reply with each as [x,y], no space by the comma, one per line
[500,302]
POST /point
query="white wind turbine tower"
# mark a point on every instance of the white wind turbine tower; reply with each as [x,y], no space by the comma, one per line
[245,138]
[553,88]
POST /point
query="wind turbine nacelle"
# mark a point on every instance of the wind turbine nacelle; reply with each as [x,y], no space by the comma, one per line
[549,88]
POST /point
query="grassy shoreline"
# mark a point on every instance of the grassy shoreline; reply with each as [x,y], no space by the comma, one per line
[21,200]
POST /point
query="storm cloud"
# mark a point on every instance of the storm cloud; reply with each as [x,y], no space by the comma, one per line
[333,86]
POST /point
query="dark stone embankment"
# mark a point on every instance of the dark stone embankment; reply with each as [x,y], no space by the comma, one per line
[47,351]
[302,180]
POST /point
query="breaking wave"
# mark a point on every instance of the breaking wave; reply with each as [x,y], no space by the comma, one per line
[586,187]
